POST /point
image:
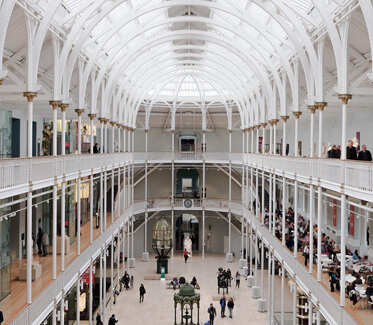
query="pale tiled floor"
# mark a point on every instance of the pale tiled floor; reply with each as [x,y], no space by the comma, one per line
[158,306]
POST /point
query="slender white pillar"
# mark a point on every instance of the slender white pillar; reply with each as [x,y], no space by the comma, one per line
[204,141]
[63,129]
[63,204]
[252,139]
[203,232]
[102,120]
[62,308]
[343,248]
[124,138]
[29,247]
[230,140]
[264,137]
[321,106]
[283,209]
[77,311]
[247,140]
[274,204]
[283,293]
[173,140]
[112,196]
[284,140]
[312,131]
[312,205]
[91,117]
[105,149]
[101,284]
[79,205]
[273,288]
[295,219]
[111,273]
[296,132]
[271,137]
[124,248]
[54,232]
[55,104]
[104,285]
[263,198]
[269,299]
[310,311]
[295,296]
[101,200]
[344,98]
[270,218]
[91,208]
[105,198]
[90,306]
[275,121]
[319,212]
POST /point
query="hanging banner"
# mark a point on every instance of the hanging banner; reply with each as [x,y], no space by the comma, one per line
[85,276]
[352,220]
[334,212]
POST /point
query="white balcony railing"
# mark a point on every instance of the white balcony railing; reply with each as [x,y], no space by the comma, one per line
[42,171]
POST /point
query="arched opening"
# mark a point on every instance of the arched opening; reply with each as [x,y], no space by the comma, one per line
[187,225]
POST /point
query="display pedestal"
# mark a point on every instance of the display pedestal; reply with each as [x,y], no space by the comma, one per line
[241,263]
[256,292]
[250,281]
[262,305]
[229,257]
[36,271]
[145,257]
[131,262]
[67,245]
[245,271]
[162,263]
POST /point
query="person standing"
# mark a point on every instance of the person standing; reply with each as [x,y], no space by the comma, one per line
[39,240]
[132,281]
[230,307]
[364,154]
[98,319]
[1,317]
[351,152]
[126,279]
[45,242]
[223,303]
[112,320]
[142,293]
[238,279]
[212,313]
[95,148]
[186,255]
[306,254]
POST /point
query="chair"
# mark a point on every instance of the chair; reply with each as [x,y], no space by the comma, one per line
[370,278]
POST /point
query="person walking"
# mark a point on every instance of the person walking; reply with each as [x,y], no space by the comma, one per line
[306,254]
[238,279]
[223,303]
[186,255]
[212,313]
[112,320]
[39,240]
[230,307]
[126,280]
[142,293]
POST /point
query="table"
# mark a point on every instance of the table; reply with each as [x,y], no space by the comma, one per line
[348,257]
[349,278]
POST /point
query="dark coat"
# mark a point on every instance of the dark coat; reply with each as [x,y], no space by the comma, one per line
[365,155]
[230,304]
[351,153]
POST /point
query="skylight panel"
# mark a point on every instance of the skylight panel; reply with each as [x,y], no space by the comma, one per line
[258,13]
[119,12]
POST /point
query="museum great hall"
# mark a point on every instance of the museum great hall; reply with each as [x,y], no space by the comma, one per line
[243,125]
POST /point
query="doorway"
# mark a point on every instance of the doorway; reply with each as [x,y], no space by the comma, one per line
[187,225]
[16,130]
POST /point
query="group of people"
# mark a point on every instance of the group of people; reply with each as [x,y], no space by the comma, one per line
[223,305]
[42,240]
[352,152]
[128,281]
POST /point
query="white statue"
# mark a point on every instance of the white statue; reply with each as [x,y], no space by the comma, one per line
[188,245]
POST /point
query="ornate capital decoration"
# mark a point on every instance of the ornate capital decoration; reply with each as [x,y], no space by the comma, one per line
[270,122]
[79,111]
[30,95]
[64,107]
[112,123]
[275,121]
[257,126]
[230,131]
[321,105]
[55,103]
[312,108]
[203,131]
[124,127]
[285,118]
[345,98]
[101,119]
[1,82]
[106,120]
[91,116]
[264,125]
[146,130]
[297,114]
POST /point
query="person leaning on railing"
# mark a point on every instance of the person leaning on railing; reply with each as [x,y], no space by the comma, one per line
[364,154]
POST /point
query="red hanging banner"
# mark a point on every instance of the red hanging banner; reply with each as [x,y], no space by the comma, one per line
[352,220]
[334,212]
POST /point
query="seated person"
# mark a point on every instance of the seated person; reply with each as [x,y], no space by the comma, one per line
[354,283]
[290,243]
[369,293]
[356,256]
[194,282]
[334,280]
[175,282]
[182,280]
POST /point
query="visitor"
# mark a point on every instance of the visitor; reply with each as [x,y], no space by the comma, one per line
[207,323]
[95,148]
[364,154]
[98,319]
[186,255]
[132,280]
[126,280]
[223,303]
[230,307]
[112,320]
[1,317]
[306,254]
[356,256]
[334,280]
[238,279]
[338,152]
[358,280]
[194,282]
[45,242]
[369,293]
[332,153]
[351,151]
[142,293]
[212,313]
[39,240]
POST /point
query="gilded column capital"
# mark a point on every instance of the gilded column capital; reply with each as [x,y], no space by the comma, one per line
[1,82]
[101,119]
[312,108]
[230,131]
[345,98]
[264,125]
[55,103]
[30,95]
[113,123]
[275,121]
[146,130]
[91,116]
[321,105]
[203,131]
[64,107]
[79,111]
[297,114]
[285,118]
[106,120]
